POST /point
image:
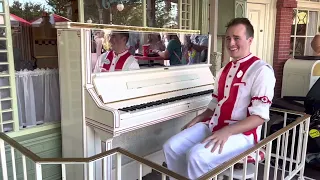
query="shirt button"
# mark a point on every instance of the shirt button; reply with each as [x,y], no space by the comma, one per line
[227,86]
[234,66]
[216,115]
[230,76]
[211,123]
[112,64]
[218,104]
[225,96]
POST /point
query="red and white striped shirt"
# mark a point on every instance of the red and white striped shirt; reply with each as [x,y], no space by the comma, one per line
[116,62]
[242,88]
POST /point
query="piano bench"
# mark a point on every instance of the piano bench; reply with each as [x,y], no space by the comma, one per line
[238,168]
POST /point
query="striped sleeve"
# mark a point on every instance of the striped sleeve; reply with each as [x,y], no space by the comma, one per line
[262,93]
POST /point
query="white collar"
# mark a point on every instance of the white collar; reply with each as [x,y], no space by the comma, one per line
[243,59]
[119,55]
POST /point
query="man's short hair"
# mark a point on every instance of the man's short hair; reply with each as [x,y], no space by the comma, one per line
[123,34]
[243,21]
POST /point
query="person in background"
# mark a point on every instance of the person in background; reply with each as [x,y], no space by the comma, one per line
[155,42]
[118,58]
[197,48]
[231,124]
[134,42]
[173,50]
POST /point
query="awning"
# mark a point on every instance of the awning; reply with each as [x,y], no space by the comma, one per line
[15,20]
[53,19]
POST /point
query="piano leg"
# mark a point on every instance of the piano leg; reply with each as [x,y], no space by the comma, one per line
[96,145]
[107,162]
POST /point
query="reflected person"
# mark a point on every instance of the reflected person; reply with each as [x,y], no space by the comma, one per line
[118,58]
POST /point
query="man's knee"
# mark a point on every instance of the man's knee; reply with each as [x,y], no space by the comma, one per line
[170,145]
[194,155]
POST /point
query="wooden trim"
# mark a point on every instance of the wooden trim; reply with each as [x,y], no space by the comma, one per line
[260,1]
[308,5]
[36,129]
[76,25]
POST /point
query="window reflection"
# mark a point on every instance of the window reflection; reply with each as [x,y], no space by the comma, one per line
[138,50]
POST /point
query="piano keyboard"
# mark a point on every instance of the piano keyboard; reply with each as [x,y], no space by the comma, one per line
[164,101]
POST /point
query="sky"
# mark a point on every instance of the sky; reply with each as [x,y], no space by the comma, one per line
[33,1]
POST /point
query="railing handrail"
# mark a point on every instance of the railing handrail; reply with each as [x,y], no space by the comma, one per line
[35,158]
[151,164]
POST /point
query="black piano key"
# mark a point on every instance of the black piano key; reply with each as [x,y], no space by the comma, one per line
[164,101]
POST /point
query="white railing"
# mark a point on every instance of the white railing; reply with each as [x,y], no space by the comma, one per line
[285,165]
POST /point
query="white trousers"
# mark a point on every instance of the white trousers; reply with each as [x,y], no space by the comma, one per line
[187,156]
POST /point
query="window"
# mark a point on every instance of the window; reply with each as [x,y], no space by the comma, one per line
[305,23]
[114,12]
[186,14]
[29,76]
[162,13]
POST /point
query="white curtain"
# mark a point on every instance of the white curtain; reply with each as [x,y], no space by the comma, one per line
[38,95]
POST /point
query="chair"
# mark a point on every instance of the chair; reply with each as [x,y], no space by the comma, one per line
[311,101]
[238,168]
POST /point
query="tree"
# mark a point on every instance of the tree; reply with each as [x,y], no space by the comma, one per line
[28,11]
[131,15]
[59,6]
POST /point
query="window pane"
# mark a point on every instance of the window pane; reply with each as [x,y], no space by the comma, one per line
[309,50]
[131,15]
[312,24]
[162,13]
[301,19]
[299,50]
[121,13]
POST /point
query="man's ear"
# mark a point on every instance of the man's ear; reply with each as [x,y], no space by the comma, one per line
[250,39]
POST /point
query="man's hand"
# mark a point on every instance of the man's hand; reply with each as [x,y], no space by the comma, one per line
[206,114]
[218,138]
[192,122]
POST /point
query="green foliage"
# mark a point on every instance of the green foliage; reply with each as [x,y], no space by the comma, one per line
[28,11]
[131,15]
[59,6]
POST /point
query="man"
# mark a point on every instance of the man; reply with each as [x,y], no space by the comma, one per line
[231,124]
[119,58]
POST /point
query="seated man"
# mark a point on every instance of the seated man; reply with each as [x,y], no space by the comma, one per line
[119,58]
[231,124]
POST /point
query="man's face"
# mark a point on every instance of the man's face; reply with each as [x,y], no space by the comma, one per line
[237,43]
[117,41]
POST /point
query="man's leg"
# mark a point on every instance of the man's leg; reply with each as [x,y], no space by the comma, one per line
[201,160]
[176,147]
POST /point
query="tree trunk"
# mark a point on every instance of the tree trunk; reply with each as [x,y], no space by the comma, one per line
[151,13]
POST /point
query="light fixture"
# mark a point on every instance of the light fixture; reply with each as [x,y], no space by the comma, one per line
[120,6]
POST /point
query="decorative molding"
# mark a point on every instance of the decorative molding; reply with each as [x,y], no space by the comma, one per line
[36,129]
[308,5]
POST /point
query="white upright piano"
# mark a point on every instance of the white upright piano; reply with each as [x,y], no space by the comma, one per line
[96,108]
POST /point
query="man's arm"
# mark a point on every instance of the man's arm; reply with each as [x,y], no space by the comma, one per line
[211,106]
[134,64]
